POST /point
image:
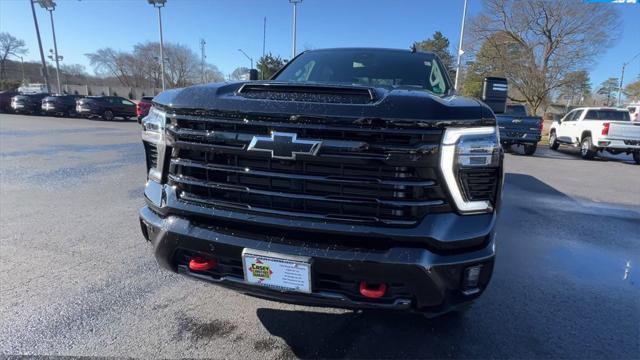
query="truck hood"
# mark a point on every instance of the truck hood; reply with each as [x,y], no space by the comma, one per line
[277,98]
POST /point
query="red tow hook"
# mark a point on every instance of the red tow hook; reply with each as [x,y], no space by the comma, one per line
[202,264]
[372,292]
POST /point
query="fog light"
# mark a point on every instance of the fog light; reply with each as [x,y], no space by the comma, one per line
[471,277]
[604,143]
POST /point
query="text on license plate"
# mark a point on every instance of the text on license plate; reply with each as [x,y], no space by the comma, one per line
[277,271]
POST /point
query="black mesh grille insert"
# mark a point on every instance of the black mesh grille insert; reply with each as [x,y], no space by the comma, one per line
[360,174]
[151,152]
[479,184]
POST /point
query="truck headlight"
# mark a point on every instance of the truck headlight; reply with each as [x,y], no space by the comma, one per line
[470,161]
[153,138]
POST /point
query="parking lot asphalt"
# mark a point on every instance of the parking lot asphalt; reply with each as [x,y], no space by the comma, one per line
[77,278]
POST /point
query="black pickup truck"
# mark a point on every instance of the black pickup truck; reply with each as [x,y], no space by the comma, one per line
[517,128]
[354,178]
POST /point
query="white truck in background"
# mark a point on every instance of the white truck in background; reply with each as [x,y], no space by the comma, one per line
[596,129]
[634,111]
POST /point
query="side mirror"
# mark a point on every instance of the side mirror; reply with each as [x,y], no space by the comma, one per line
[494,93]
[253,74]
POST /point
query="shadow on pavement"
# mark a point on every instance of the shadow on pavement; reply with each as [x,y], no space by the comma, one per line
[369,335]
[530,184]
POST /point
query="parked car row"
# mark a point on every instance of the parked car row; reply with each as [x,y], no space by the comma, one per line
[105,107]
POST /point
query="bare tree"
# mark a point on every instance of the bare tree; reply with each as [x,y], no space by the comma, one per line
[148,64]
[535,43]
[141,67]
[212,74]
[113,63]
[182,66]
[9,46]
[239,73]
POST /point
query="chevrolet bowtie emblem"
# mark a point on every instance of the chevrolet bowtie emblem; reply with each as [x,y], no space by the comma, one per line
[284,145]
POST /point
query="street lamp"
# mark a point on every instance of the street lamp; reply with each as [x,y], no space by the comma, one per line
[22,65]
[248,57]
[624,65]
[52,56]
[159,4]
[50,5]
[460,51]
[45,73]
[295,20]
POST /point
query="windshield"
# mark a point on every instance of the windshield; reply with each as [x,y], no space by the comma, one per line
[516,110]
[368,67]
[613,115]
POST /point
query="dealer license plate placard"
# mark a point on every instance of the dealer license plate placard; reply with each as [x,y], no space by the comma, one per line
[277,271]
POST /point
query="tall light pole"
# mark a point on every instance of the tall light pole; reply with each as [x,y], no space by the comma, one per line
[50,5]
[56,58]
[45,73]
[248,57]
[22,65]
[202,57]
[460,51]
[295,20]
[624,65]
[159,4]
[264,42]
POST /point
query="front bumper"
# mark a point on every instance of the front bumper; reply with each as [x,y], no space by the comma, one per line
[422,280]
[53,109]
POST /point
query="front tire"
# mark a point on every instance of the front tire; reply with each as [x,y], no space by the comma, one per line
[553,141]
[530,149]
[586,148]
[636,157]
[108,115]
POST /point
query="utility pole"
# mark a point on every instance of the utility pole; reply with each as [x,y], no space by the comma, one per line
[264,41]
[45,74]
[624,65]
[50,5]
[203,56]
[159,4]
[460,51]
[22,65]
[295,19]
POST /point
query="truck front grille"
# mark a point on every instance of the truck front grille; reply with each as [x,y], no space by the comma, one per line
[364,174]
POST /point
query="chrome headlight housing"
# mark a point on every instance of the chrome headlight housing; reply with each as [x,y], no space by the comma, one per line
[476,152]
[153,126]
[153,138]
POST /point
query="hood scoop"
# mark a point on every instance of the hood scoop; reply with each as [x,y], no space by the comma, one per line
[308,93]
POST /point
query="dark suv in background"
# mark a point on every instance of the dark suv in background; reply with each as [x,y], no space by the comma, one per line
[5,100]
[106,107]
[28,103]
[354,178]
[64,105]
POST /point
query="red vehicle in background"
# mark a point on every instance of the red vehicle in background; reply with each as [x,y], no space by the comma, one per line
[143,106]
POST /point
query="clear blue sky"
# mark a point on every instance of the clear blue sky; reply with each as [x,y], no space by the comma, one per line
[86,25]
